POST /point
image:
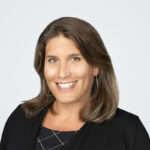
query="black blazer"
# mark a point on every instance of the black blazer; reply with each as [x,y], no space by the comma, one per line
[124,132]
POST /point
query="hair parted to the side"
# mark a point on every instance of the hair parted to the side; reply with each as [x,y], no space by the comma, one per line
[104,98]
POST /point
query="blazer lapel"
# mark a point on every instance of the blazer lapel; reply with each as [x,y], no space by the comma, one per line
[34,125]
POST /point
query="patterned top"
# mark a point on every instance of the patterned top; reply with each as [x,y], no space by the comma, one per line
[49,139]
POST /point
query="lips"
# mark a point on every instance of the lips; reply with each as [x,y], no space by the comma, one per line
[66,86]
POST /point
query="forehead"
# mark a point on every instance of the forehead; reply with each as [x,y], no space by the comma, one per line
[61,45]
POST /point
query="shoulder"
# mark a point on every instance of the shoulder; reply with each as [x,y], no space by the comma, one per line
[126,128]
[18,111]
[127,124]
[130,126]
[125,117]
[15,116]
[125,120]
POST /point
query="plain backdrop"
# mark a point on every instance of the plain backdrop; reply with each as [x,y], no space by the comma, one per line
[124,26]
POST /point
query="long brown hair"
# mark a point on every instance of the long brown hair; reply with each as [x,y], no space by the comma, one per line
[104,95]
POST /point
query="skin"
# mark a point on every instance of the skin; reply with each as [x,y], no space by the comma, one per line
[61,67]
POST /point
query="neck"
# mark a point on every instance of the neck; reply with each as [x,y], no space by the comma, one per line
[68,111]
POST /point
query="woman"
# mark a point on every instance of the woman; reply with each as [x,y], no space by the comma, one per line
[77,107]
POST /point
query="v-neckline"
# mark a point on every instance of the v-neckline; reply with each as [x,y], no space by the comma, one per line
[37,121]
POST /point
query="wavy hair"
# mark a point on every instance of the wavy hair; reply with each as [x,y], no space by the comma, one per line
[104,95]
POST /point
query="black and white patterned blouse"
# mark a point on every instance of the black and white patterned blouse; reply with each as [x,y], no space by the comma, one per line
[49,139]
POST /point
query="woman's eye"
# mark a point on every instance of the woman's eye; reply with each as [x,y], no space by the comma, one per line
[76,58]
[51,60]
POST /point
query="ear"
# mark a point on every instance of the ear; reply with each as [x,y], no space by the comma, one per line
[96,71]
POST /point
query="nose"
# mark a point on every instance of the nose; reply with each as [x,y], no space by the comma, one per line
[64,71]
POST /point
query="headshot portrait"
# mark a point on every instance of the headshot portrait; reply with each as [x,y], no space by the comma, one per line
[77,106]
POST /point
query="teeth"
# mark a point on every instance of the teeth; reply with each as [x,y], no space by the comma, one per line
[67,85]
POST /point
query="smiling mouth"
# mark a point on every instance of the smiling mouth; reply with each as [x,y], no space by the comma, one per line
[66,86]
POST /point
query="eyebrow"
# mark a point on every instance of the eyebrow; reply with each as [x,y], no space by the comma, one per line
[69,55]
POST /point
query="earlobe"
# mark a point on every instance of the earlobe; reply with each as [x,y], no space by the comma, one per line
[96,71]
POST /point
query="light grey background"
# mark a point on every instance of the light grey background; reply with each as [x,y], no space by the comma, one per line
[125,29]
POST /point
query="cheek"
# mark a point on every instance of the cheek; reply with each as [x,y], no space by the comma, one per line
[49,72]
[86,77]
[82,71]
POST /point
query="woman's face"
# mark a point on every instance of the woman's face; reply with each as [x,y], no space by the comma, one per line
[68,75]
